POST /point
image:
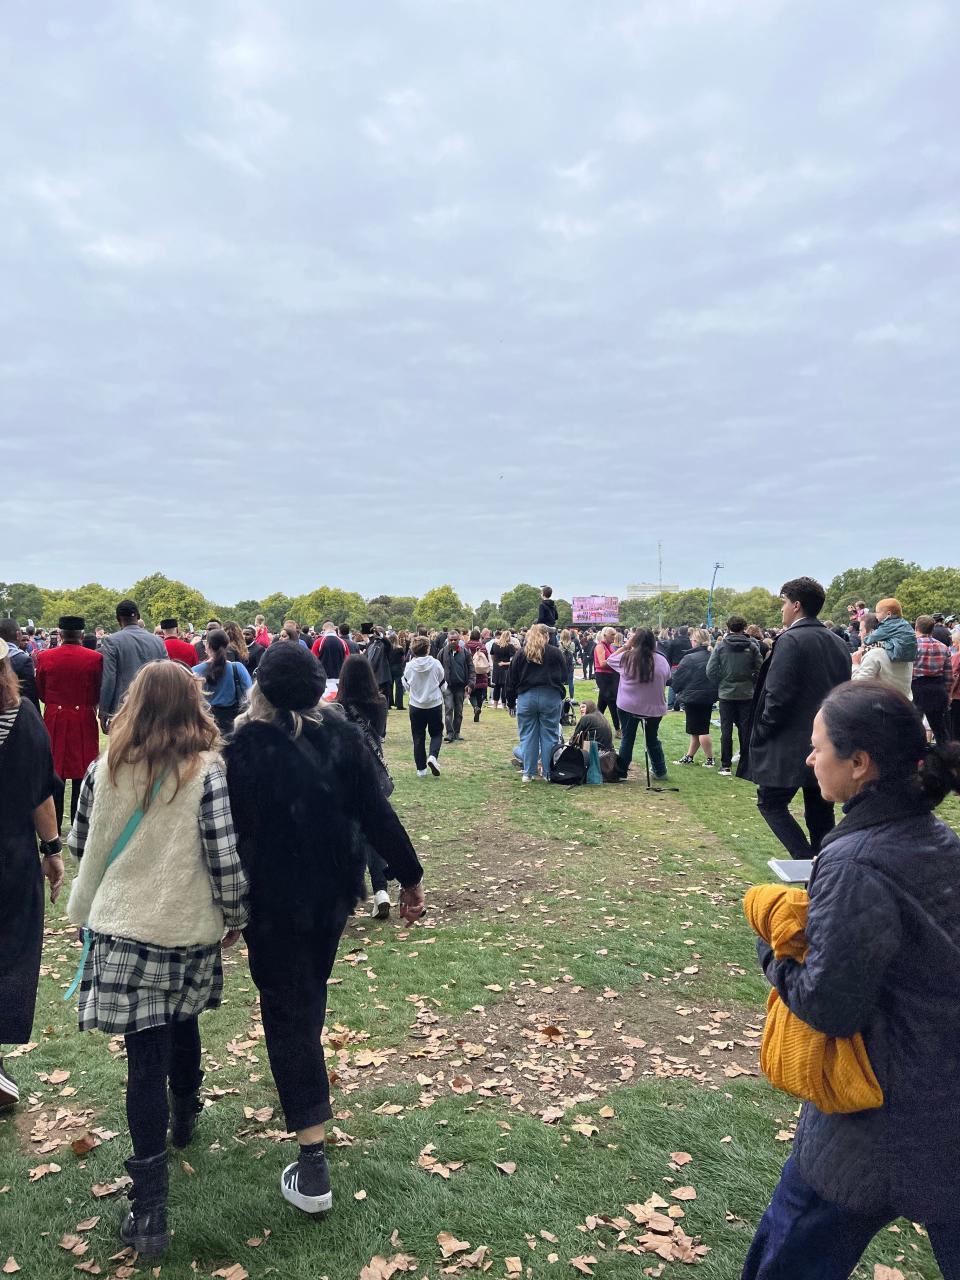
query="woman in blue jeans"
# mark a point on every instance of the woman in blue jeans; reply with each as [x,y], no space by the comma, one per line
[882,959]
[644,672]
[538,679]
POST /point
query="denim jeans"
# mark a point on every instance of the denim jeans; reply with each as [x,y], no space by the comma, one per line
[629,724]
[803,1237]
[538,722]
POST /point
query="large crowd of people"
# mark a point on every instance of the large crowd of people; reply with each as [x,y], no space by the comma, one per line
[243,788]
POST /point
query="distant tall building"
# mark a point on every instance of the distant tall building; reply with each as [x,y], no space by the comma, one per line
[649,590]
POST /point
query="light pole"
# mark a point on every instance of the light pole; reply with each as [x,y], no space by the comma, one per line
[713,582]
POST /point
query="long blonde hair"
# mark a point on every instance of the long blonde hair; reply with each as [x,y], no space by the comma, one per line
[506,639]
[537,638]
[701,637]
[162,726]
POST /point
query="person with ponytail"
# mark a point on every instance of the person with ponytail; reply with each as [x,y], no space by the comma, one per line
[883,959]
[537,679]
[644,673]
[225,682]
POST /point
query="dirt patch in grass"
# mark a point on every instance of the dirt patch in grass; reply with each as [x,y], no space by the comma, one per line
[546,1047]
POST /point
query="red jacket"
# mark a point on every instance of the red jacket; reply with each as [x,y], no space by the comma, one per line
[180,651]
[68,682]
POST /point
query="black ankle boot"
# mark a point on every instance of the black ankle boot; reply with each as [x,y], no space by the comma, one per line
[184,1110]
[145,1226]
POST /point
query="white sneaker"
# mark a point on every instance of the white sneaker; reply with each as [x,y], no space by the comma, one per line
[421,773]
[9,1089]
[433,766]
[381,905]
[526,778]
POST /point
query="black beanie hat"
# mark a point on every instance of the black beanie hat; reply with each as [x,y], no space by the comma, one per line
[290,677]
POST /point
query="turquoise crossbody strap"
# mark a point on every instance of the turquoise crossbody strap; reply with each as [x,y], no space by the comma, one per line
[122,840]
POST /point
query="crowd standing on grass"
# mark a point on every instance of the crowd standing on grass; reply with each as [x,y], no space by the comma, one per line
[243,787]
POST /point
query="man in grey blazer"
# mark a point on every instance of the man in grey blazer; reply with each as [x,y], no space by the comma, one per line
[124,653]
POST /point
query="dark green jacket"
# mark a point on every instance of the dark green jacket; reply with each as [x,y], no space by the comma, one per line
[734,664]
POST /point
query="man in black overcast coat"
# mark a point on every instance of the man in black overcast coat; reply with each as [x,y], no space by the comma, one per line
[806,662]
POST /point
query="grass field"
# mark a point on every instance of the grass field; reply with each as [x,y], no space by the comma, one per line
[571,1031]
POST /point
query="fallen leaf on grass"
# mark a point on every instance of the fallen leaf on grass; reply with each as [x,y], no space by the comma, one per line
[387,1109]
[90,1267]
[187,1167]
[680,1157]
[58,1077]
[507,1166]
[551,1115]
[583,1125]
[880,1272]
[584,1263]
[101,1189]
[83,1145]
[236,1272]
[607,1113]
[684,1193]
[359,1195]
[514,1266]
[42,1170]
[449,1244]
[262,1114]
[10,1266]
[87,1224]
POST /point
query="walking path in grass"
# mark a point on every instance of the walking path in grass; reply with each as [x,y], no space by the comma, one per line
[554,1074]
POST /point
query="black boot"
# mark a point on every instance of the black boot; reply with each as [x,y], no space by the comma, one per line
[145,1226]
[183,1116]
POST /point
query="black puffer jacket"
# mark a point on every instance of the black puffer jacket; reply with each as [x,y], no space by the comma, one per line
[691,684]
[304,809]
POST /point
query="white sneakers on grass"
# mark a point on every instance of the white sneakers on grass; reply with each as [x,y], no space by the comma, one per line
[381,905]
[433,765]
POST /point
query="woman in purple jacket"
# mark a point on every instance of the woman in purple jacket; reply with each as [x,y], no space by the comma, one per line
[643,673]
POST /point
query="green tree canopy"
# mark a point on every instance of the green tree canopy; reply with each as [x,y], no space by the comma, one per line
[276,609]
[22,600]
[520,605]
[94,603]
[329,602]
[244,611]
[392,611]
[158,596]
[930,591]
[756,605]
[441,607]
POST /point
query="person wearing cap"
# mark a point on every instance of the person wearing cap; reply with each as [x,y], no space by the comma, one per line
[27,786]
[306,800]
[68,682]
[124,653]
[178,650]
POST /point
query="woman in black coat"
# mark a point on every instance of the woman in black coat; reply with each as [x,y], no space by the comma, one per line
[306,800]
[27,785]
[697,692]
[883,959]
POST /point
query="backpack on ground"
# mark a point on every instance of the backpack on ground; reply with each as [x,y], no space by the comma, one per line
[567,766]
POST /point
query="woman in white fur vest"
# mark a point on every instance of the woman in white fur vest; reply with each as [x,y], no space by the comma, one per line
[160,889]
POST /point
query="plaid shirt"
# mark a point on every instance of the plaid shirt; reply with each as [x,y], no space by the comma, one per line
[932,660]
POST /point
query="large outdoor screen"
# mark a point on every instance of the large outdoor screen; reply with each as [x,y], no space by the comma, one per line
[595,610]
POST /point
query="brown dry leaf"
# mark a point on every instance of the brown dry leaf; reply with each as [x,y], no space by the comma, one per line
[359,1195]
[514,1266]
[584,1263]
[42,1170]
[461,1084]
[607,1113]
[254,1242]
[552,1115]
[783,1135]
[584,1126]
[236,1272]
[548,1235]
[684,1193]
[187,1167]
[87,1224]
[387,1109]
[680,1157]
[92,1268]
[84,1144]
[506,1166]
[70,1243]
[880,1272]
[10,1266]
[58,1077]
[449,1244]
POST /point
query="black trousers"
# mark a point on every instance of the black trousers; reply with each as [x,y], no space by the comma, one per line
[932,700]
[377,868]
[955,719]
[59,798]
[291,974]
[588,667]
[154,1056]
[607,682]
[398,692]
[773,804]
[424,720]
[499,677]
[477,698]
[733,711]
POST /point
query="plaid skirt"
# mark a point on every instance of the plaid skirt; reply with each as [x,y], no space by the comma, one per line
[129,986]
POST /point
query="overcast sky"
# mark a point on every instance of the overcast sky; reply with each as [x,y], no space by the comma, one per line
[388,295]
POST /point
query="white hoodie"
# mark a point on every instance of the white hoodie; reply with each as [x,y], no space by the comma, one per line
[423,678]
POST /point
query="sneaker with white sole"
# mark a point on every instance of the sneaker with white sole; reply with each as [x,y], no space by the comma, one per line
[724,773]
[9,1089]
[421,773]
[708,764]
[306,1182]
[381,905]
[684,760]
[433,765]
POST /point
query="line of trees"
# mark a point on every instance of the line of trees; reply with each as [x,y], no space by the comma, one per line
[919,590]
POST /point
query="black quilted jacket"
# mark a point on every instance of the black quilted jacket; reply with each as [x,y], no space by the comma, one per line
[883,933]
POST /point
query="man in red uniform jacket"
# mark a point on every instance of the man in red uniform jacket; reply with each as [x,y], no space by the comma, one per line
[177,649]
[68,682]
